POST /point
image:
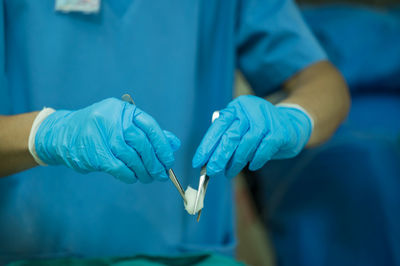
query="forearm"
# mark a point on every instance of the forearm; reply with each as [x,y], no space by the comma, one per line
[14,135]
[322,92]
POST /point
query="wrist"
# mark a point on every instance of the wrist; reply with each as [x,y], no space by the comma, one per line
[302,123]
[301,109]
[42,115]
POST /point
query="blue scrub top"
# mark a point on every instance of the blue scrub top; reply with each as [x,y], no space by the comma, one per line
[177,59]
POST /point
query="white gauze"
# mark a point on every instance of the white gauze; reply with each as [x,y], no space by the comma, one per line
[190,195]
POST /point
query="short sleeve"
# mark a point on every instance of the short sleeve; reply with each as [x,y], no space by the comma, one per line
[273,43]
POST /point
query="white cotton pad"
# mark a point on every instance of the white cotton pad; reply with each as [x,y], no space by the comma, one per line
[190,195]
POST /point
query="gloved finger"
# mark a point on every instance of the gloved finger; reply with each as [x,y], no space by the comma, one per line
[155,136]
[227,146]
[137,139]
[141,173]
[234,167]
[131,158]
[213,136]
[265,151]
[119,170]
[245,151]
[173,140]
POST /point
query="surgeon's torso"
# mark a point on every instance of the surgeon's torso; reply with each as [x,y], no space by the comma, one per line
[176,58]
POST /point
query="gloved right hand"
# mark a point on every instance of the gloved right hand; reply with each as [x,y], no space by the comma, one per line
[110,136]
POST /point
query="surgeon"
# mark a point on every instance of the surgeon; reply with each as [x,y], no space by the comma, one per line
[99,189]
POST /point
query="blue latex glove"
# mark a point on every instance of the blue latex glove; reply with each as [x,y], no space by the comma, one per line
[110,136]
[252,130]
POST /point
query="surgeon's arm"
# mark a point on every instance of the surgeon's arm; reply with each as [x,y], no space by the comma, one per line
[322,92]
[14,134]
[110,136]
[252,130]
[273,44]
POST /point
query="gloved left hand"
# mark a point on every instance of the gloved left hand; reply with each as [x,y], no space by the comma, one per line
[252,130]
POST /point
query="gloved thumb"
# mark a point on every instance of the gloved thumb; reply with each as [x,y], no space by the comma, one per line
[173,140]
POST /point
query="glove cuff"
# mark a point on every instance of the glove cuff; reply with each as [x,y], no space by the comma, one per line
[35,126]
[298,107]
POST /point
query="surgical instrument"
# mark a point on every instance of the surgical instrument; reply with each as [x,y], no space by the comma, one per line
[204,178]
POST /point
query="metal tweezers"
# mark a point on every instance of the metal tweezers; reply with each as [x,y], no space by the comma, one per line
[203,183]
[204,178]
[171,174]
